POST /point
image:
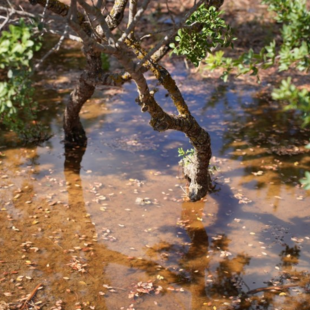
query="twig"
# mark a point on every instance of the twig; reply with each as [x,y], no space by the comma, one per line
[68,36]
[10,4]
[54,49]
[44,11]
[24,305]
[6,20]
[134,22]
[132,11]
[170,14]
[13,11]
[100,19]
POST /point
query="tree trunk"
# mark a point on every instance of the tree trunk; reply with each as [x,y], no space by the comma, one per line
[74,131]
[196,169]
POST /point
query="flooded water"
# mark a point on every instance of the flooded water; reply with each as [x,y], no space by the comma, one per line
[107,227]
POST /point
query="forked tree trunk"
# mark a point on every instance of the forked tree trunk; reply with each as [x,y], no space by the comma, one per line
[197,171]
[96,42]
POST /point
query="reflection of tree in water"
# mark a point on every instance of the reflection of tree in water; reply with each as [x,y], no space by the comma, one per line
[262,125]
[102,256]
[258,120]
[223,286]
[289,257]
[202,266]
[218,95]
[207,287]
[193,260]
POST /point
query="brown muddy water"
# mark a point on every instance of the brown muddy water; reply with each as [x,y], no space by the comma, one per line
[108,227]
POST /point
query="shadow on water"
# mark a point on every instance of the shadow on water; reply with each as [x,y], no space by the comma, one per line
[107,227]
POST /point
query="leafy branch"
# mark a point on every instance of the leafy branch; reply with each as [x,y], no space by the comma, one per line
[204,31]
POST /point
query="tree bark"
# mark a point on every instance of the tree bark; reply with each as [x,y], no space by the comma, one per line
[197,172]
[74,131]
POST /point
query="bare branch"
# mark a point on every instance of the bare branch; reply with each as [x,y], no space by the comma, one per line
[10,4]
[132,25]
[100,19]
[164,77]
[62,9]
[6,20]
[131,15]
[67,35]
[12,11]
[54,49]
[72,13]
[107,79]
[97,29]
[44,11]
[117,13]
[170,13]
[90,43]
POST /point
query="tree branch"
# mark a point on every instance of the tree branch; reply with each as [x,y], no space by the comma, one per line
[90,43]
[106,79]
[117,13]
[197,172]
[131,15]
[132,11]
[100,19]
[164,77]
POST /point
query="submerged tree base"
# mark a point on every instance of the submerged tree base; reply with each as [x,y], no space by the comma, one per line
[199,187]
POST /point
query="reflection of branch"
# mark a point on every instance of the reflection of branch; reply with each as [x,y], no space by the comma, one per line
[272,288]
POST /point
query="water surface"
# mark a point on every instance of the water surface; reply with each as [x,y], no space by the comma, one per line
[108,227]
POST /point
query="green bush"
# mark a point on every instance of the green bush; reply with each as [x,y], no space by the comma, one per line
[17,46]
